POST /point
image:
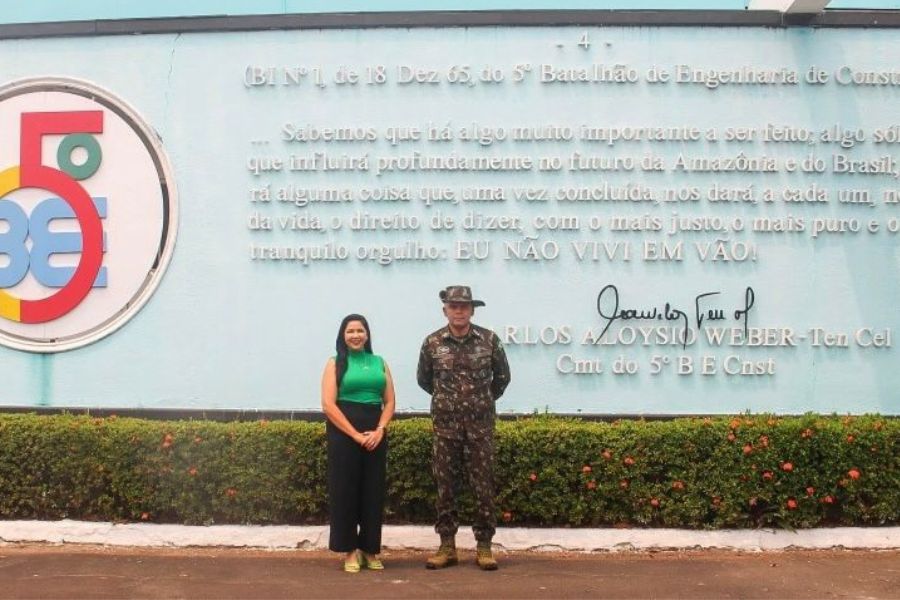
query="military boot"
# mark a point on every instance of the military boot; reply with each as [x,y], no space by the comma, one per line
[445,556]
[484,557]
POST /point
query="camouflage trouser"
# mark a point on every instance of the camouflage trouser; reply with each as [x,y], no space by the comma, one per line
[448,464]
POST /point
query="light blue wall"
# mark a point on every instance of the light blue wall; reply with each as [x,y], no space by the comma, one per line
[222,331]
[36,11]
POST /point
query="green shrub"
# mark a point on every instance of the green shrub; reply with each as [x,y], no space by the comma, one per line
[721,472]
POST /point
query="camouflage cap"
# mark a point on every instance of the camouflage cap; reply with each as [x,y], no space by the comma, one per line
[458,293]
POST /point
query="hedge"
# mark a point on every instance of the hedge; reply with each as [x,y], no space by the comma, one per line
[723,472]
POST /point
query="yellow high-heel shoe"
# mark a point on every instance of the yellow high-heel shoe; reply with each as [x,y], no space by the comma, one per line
[351,565]
[373,563]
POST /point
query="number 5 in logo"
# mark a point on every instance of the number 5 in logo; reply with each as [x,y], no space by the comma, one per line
[31,173]
[85,171]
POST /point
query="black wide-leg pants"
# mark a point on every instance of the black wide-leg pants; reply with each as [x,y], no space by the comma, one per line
[356,481]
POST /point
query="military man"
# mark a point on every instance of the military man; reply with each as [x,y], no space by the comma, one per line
[464,369]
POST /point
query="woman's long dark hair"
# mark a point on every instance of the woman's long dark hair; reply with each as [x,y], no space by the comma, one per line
[340,363]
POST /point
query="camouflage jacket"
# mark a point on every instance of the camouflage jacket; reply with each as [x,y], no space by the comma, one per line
[464,378]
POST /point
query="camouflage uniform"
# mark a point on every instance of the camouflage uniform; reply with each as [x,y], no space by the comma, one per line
[464,377]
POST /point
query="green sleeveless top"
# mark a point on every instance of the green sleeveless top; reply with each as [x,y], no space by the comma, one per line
[364,380]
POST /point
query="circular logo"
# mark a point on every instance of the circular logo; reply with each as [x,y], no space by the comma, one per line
[87,214]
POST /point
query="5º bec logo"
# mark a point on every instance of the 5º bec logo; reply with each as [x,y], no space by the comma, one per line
[87,214]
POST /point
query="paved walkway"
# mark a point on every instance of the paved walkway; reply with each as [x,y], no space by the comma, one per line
[72,571]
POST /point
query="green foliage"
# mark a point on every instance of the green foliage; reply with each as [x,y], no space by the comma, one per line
[746,471]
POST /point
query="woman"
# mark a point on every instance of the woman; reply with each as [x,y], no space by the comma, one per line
[358,401]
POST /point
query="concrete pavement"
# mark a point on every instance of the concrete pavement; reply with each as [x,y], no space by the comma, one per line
[77,571]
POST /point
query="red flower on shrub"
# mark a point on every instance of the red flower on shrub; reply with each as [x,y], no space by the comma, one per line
[791,504]
[807,433]
[767,475]
[748,449]
[623,484]
[591,485]
[716,501]
[677,485]
[507,517]
[628,461]
[735,423]
[731,437]
[192,471]
[853,474]
[828,500]
[810,491]
[787,467]
[167,440]
[231,492]
[533,477]
[197,439]
[654,502]
[586,469]
[850,439]
[606,454]
[145,516]
[764,441]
